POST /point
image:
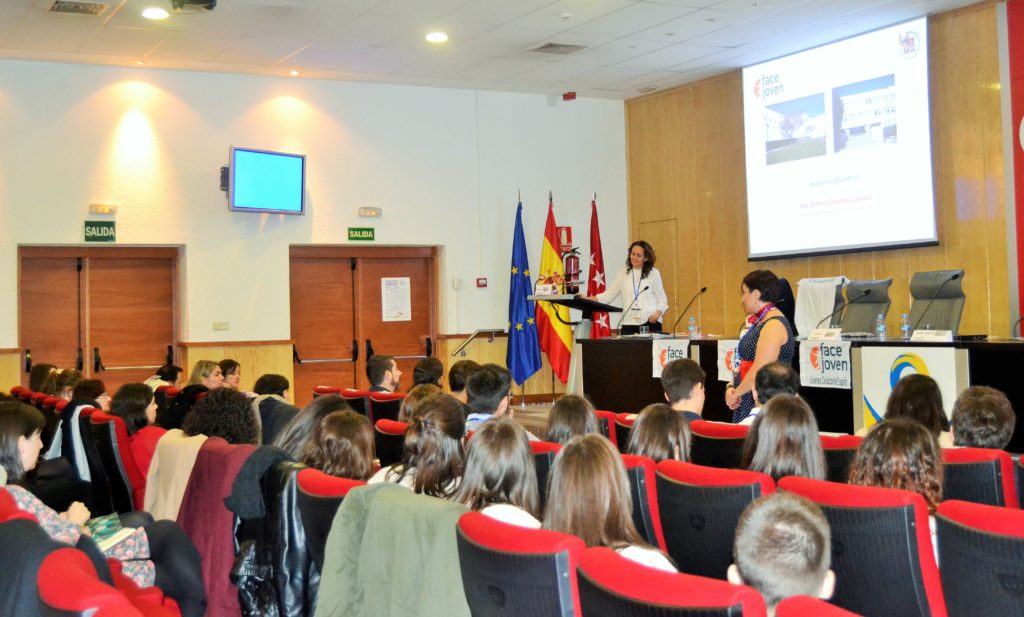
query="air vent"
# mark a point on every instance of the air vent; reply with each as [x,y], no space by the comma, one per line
[77,8]
[558,49]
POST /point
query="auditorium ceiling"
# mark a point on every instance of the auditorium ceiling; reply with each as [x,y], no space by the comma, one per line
[616,49]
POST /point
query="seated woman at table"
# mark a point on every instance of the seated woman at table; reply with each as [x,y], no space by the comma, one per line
[642,291]
[767,337]
[918,398]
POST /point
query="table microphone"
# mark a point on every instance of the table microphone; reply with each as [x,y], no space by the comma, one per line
[932,299]
[866,292]
[626,312]
[688,305]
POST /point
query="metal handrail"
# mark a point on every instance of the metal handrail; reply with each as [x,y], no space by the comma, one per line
[490,339]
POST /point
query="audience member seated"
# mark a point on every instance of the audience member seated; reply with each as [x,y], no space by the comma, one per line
[683,382]
[166,375]
[232,372]
[918,398]
[223,413]
[134,403]
[458,375]
[500,479]
[413,403]
[65,381]
[43,378]
[206,373]
[784,441]
[783,548]
[432,455]
[570,416]
[383,373]
[157,553]
[428,371]
[271,405]
[341,445]
[588,497]
[293,436]
[174,413]
[901,453]
[660,433]
[489,392]
[92,393]
[772,379]
[982,418]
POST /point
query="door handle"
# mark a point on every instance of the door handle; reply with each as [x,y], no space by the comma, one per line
[170,354]
[97,362]
[430,347]
[28,360]
[369,349]
[80,360]
[355,349]
[295,355]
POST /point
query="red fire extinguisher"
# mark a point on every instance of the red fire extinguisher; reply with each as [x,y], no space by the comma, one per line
[572,271]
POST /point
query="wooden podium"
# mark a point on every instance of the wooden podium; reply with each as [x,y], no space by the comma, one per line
[581,330]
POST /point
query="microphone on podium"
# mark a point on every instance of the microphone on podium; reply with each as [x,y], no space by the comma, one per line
[688,305]
[865,293]
[932,299]
[626,312]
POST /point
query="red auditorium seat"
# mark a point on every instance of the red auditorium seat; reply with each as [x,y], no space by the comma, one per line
[612,586]
[839,453]
[623,426]
[325,390]
[606,422]
[881,548]
[640,471]
[358,400]
[101,495]
[979,475]
[544,453]
[385,405]
[717,444]
[127,484]
[699,508]
[319,496]
[981,551]
[509,570]
[68,585]
[388,441]
[806,606]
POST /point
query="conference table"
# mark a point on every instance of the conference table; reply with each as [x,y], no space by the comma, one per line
[617,376]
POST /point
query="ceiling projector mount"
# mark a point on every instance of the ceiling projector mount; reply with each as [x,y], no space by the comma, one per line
[193,6]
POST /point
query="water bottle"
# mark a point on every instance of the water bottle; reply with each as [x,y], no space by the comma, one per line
[691,327]
[880,327]
[905,327]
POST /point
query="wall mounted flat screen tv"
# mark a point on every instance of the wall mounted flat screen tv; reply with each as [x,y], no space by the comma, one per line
[838,147]
[266,181]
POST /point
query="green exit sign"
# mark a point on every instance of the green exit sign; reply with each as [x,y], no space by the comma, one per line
[100,231]
[360,234]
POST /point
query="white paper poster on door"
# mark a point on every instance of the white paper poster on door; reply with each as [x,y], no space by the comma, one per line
[395,299]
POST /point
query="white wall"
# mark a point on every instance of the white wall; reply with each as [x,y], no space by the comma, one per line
[445,165]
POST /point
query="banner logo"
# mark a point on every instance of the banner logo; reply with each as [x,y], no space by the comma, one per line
[903,363]
[815,354]
[910,43]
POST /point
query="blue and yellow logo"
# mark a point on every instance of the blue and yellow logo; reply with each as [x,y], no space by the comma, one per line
[900,366]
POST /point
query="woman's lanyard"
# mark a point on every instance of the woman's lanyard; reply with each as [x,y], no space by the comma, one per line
[636,285]
[752,322]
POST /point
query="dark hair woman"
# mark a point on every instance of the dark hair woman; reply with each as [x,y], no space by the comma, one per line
[297,432]
[784,440]
[500,479]
[767,337]
[641,288]
[918,397]
[134,403]
[660,433]
[571,415]
[341,445]
[223,413]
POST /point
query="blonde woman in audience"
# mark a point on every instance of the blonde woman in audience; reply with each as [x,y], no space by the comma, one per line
[571,415]
[413,403]
[784,441]
[432,455]
[588,496]
[206,373]
[500,478]
[660,433]
[341,446]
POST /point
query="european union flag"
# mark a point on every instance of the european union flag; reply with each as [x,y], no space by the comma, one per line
[523,356]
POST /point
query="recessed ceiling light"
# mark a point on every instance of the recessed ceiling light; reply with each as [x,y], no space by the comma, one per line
[294,73]
[155,12]
[140,62]
[437,37]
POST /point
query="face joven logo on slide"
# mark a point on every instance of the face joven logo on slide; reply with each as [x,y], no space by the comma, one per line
[669,354]
[768,85]
[910,43]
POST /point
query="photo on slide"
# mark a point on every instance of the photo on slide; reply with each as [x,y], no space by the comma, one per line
[795,130]
[864,113]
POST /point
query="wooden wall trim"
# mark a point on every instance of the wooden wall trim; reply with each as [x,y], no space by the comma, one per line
[11,350]
[197,344]
[346,250]
[119,250]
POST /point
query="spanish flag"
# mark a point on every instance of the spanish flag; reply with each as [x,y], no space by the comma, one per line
[555,334]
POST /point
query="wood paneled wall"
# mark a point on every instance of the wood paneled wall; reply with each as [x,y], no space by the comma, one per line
[10,369]
[687,190]
[256,357]
[537,387]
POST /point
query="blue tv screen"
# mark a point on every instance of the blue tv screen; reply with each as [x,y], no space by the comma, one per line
[265,181]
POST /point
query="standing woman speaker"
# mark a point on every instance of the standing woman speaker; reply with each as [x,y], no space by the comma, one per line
[643,293]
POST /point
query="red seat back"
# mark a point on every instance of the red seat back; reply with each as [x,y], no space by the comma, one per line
[116,455]
[716,444]
[839,452]
[805,606]
[606,421]
[610,584]
[388,441]
[622,426]
[385,405]
[319,496]
[642,486]
[979,475]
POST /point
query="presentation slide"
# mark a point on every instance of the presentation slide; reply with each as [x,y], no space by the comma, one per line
[838,146]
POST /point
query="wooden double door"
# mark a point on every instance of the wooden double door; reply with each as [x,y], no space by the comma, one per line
[350,302]
[109,312]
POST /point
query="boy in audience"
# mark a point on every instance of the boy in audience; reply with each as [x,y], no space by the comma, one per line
[771,380]
[383,373]
[489,391]
[783,548]
[458,375]
[982,418]
[683,382]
